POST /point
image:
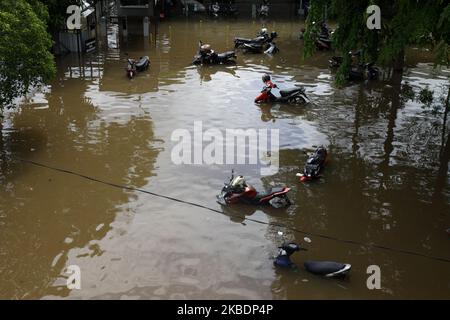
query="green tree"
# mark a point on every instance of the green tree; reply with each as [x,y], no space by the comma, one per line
[25,59]
[404,23]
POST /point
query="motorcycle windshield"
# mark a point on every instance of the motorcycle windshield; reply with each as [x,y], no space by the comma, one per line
[221,199]
[262,97]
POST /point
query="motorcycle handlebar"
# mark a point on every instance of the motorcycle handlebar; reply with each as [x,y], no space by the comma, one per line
[265,88]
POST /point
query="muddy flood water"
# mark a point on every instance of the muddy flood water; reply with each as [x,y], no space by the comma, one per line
[384,185]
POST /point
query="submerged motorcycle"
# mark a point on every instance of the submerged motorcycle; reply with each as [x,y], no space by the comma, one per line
[324,40]
[237,190]
[314,165]
[365,71]
[323,268]
[295,96]
[133,66]
[207,56]
[263,38]
[360,71]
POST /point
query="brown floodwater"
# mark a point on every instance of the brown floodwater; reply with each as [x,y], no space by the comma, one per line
[384,185]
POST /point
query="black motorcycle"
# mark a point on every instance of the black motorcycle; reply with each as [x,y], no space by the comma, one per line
[262,38]
[359,71]
[207,56]
[324,40]
[314,165]
[323,268]
[133,66]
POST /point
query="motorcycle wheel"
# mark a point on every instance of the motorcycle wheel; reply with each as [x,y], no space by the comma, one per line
[297,100]
[374,74]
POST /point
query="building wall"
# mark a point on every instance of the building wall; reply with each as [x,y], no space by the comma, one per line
[69,41]
[135,26]
[135,8]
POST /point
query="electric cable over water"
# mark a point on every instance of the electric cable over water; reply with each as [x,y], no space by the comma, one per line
[280,225]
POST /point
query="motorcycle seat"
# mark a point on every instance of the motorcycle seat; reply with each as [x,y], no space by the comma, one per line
[142,62]
[243,39]
[226,54]
[254,44]
[324,267]
[257,39]
[369,65]
[337,59]
[276,189]
[287,92]
[356,53]
[315,159]
[269,192]
[312,166]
